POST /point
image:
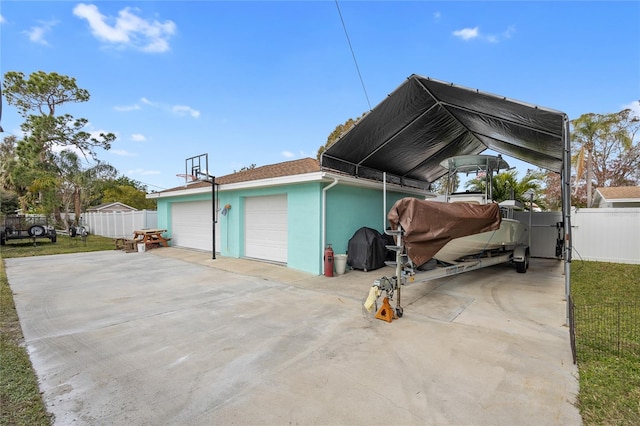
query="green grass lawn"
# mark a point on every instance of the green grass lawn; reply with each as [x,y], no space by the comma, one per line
[64,245]
[609,378]
[20,401]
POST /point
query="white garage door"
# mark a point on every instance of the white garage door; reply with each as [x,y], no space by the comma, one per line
[191,225]
[265,233]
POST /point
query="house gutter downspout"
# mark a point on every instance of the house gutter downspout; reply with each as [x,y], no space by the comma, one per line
[324,219]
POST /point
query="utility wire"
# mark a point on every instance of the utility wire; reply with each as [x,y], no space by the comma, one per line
[353,55]
[150,184]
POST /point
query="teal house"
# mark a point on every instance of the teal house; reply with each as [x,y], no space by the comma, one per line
[284,213]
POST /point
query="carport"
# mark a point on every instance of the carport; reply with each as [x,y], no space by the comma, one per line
[424,121]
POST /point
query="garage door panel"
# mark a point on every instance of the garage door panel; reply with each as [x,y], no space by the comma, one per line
[266,228]
[191,225]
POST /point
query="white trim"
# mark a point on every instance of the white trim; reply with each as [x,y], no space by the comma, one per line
[621,200]
[374,184]
[202,190]
[294,179]
[283,180]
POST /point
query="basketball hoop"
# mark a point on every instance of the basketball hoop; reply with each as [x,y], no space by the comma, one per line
[199,167]
[187,177]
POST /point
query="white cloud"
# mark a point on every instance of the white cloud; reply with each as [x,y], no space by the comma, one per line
[125,108]
[633,106]
[467,33]
[301,154]
[509,32]
[474,33]
[180,110]
[123,153]
[138,137]
[96,133]
[183,109]
[437,16]
[128,29]
[37,34]
[147,101]
[2,20]
[143,172]
[71,148]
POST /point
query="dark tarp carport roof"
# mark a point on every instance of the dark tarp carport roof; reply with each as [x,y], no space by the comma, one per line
[425,121]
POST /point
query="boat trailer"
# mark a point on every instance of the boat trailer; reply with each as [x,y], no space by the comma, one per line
[406,272]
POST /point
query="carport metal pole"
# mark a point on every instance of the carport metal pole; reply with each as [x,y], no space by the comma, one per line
[529,193]
[566,210]
[384,201]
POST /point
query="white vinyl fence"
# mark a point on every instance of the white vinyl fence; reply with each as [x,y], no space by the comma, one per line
[545,232]
[607,235]
[119,224]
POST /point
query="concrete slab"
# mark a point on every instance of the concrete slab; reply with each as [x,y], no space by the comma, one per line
[173,337]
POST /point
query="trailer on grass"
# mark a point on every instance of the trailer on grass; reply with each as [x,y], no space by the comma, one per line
[17,227]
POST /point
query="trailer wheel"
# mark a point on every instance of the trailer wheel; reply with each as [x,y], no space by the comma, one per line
[522,267]
[399,312]
[36,231]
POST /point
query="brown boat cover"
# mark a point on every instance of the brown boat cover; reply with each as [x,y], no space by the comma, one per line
[430,225]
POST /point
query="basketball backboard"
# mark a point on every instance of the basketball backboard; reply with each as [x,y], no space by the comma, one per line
[197,167]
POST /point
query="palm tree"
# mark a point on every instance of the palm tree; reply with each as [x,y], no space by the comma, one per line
[77,181]
[506,186]
[446,184]
[587,130]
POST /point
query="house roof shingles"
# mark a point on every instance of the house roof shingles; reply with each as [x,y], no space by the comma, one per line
[620,193]
[287,168]
[110,204]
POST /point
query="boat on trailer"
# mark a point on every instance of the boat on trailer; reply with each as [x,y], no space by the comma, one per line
[510,233]
[462,232]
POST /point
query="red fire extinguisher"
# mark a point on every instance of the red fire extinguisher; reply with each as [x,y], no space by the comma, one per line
[328,261]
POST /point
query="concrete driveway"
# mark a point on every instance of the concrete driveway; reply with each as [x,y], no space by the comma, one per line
[171,337]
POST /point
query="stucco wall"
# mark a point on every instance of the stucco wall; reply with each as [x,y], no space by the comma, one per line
[303,222]
[351,208]
[348,209]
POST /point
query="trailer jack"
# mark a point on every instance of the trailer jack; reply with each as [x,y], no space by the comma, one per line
[406,272]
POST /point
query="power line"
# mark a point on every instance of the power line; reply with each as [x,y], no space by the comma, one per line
[150,184]
[353,55]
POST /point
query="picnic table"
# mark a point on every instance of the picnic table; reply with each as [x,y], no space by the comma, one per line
[151,237]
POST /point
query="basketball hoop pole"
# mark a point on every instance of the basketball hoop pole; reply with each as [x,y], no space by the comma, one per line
[213,216]
[197,165]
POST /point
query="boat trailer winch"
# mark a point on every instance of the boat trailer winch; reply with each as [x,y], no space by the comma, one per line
[389,285]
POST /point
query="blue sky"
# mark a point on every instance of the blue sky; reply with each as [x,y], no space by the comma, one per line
[265,82]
